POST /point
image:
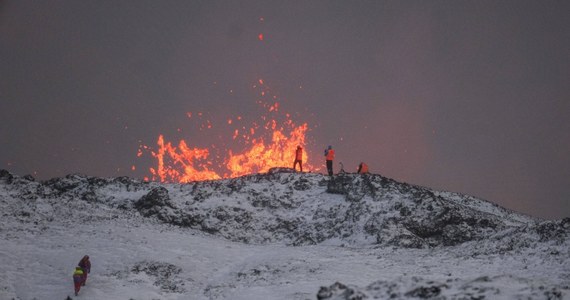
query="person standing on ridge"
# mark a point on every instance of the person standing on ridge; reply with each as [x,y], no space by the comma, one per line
[362,168]
[329,156]
[77,279]
[85,265]
[298,158]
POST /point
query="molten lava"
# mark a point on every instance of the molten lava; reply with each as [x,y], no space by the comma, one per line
[267,146]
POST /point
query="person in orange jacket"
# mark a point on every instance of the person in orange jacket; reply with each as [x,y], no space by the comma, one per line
[298,158]
[362,168]
[77,279]
[329,157]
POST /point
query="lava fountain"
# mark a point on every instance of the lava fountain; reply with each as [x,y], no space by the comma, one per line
[269,143]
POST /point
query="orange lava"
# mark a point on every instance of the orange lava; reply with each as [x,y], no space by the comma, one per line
[268,146]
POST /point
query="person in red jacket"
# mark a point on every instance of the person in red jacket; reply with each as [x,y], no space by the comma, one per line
[85,265]
[362,168]
[77,279]
[298,158]
[329,157]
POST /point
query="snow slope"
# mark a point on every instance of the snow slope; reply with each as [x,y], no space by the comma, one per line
[280,235]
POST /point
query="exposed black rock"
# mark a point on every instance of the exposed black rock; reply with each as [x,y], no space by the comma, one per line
[340,291]
[6,176]
[164,275]
[156,202]
[453,288]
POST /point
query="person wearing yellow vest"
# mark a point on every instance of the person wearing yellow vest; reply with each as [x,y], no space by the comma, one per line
[362,168]
[329,157]
[77,279]
[298,158]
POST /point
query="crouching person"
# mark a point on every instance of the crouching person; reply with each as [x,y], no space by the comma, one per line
[362,168]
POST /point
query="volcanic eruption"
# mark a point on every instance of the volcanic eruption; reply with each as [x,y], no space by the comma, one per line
[266,143]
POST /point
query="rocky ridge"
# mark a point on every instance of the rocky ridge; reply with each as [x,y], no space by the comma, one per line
[282,206]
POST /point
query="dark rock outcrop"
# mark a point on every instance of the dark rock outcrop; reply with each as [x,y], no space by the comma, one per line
[6,176]
[453,288]
[154,202]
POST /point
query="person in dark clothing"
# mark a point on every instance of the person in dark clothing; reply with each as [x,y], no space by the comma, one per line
[85,265]
[329,157]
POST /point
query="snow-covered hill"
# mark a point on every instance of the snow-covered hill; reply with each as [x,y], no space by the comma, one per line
[280,235]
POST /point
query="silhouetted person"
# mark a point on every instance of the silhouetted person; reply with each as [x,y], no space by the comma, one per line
[298,158]
[329,156]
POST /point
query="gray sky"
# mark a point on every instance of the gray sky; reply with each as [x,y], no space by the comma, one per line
[467,96]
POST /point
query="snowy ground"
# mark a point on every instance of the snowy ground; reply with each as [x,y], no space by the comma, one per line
[141,258]
[39,266]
